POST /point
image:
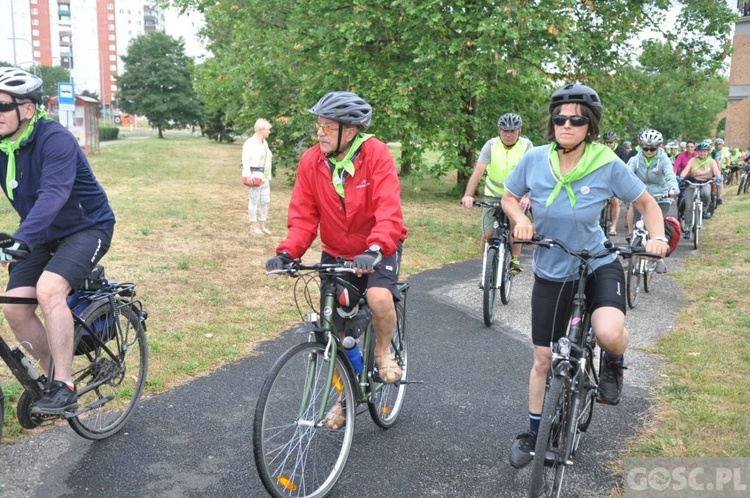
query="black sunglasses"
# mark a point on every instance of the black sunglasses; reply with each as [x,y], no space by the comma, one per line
[8,106]
[650,149]
[561,119]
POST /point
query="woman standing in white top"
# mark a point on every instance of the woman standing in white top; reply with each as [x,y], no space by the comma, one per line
[256,174]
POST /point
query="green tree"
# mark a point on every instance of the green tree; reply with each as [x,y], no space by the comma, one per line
[157,82]
[437,74]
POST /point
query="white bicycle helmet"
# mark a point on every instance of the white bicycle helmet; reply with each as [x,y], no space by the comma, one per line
[651,137]
[20,85]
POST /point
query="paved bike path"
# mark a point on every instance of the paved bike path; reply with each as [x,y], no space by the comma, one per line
[452,438]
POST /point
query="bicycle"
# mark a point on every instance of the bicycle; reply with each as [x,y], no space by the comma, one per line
[573,379]
[744,183]
[696,223]
[496,263]
[639,269]
[110,359]
[295,453]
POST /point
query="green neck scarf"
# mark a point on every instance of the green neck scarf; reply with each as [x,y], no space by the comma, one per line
[346,164]
[10,148]
[594,157]
[702,163]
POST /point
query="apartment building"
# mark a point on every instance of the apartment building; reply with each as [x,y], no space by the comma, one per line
[86,36]
[737,113]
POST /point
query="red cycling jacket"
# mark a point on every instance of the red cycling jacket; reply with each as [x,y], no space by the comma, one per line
[370,212]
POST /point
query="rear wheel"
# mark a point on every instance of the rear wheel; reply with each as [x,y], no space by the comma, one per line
[387,399]
[489,293]
[109,380]
[506,277]
[295,453]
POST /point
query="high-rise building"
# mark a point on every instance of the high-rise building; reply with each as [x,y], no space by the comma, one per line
[86,36]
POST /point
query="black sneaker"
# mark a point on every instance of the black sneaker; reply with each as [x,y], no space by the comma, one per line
[610,382]
[58,400]
[520,452]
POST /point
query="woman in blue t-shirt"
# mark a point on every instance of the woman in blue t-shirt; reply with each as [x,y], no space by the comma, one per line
[568,182]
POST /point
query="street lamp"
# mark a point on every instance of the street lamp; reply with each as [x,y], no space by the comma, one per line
[13,39]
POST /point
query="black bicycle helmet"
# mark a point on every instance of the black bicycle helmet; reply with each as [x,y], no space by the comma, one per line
[510,122]
[577,94]
[610,136]
[21,85]
[344,107]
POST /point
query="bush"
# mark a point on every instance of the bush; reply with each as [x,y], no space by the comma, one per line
[108,133]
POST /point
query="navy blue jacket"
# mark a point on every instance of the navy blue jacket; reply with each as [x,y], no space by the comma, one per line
[57,193]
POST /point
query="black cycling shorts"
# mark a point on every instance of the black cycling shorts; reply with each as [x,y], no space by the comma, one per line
[551,301]
[72,258]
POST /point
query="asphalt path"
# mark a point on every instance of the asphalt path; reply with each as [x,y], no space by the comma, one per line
[452,438]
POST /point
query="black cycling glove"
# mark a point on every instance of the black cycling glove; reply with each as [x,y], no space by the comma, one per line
[278,262]
[368,260]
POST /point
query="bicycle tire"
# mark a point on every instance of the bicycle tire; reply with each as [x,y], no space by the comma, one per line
[747,184]
[489,293]
[506,278]
[295,454]
[2,413]
[648,276]
[591,381]
[698,215]
[633,282]
[386,402]
[104,410]
[548,466]
[743,180]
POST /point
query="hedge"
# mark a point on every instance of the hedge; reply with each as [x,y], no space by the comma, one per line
[108,133]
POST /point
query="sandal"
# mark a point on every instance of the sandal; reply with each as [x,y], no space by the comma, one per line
[388,369]
[336,417]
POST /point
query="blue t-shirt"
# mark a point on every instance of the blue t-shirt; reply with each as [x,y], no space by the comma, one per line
[576,226]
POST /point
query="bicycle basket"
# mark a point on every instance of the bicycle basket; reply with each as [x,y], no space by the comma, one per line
[78,302]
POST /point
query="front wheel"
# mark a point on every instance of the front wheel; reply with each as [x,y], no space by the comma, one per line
[548,466]
[633,281]
[295,453]
[698,214]
[743,180]
[648,275]
[110,378]
[387,399]
[506,277]
[489,293]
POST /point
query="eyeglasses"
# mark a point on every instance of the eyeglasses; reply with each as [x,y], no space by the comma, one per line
[327,129]
[609,143]
[509,131]
[561,119]
[8,106]
[650,149]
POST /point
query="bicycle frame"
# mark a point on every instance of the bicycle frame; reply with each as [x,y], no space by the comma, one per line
[500,237]
[324,331]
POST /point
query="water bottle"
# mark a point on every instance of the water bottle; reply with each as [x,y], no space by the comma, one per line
[33,374]
[354,354]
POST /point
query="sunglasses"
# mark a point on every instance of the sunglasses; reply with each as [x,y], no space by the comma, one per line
[650,149]
[561,119]
[8,106]
[327,129]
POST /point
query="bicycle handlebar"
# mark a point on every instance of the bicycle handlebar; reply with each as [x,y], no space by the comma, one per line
[624,250]
[487,204]
[699,183]
[296,266]
[7,241]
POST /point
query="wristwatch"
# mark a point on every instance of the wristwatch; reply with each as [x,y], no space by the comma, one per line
[663,239]
[375,248]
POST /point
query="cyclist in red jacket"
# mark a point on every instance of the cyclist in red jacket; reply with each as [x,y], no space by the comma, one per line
[347,187]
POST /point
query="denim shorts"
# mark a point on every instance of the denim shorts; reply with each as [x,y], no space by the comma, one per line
[72,258]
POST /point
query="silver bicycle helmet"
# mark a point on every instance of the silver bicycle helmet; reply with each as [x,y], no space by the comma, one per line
[21,85]
[610,136]
[510,122]
[651,137]
[344,107]
[577,94]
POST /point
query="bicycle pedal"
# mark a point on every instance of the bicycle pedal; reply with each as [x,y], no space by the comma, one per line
[551,458]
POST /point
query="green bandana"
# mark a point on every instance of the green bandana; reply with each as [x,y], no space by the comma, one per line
[594,157]
[346,164]
[702,164]
[10,148]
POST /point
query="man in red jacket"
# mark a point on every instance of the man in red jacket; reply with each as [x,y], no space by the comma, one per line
[348,187]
